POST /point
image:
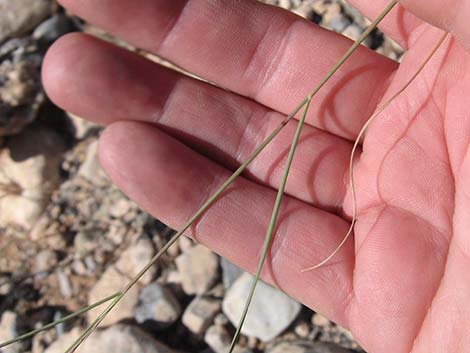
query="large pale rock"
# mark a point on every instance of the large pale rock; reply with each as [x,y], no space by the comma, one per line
[116,339]
[32,159]
[271,311]
[198,268]
[19,211]
[20,16]
[29,172]
[124,339]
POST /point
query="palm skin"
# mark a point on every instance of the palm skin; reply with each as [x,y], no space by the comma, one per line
[411,240]
[401,283]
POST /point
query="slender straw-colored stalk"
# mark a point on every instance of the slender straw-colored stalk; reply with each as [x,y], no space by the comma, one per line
[237,173]
[272,224]
[58,322]
[277,204]
[356,144]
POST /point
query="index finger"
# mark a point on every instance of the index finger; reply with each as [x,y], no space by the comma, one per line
[256,50]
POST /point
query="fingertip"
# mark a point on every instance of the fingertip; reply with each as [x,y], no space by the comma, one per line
[96,80]
[451,16]
[59,59]
[129,150]
[135,155]
[116,145]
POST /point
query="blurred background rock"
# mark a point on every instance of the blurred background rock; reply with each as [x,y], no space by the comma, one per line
[68,237]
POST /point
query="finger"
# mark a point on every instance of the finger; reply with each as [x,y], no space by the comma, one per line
[451,15]
[113,84]
[399,23]
[253,49]
[171,181]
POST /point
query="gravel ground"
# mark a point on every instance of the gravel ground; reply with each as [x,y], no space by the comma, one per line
[68,237]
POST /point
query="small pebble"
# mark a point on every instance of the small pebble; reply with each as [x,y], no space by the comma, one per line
[45,261]
[218,339]
[157,305]
[302,330]
[221,319]
[85,241]
[5,285]
[8,331]
[64,283]
[53,28]
[320,321]
[198,268]
[263,322]
[79,268]
[200,313]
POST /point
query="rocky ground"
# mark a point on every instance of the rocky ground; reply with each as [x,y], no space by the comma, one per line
[68,237]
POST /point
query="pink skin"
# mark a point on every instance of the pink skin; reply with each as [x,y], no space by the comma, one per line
[401,284]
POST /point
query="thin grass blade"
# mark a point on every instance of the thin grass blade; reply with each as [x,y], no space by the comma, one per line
[58,322]
[272,224]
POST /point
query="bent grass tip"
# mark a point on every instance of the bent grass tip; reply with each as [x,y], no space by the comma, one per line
[361,134]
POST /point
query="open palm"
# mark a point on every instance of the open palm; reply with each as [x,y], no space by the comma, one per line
[401,283]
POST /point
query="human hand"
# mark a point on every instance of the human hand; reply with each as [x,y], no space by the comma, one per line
[401,283]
